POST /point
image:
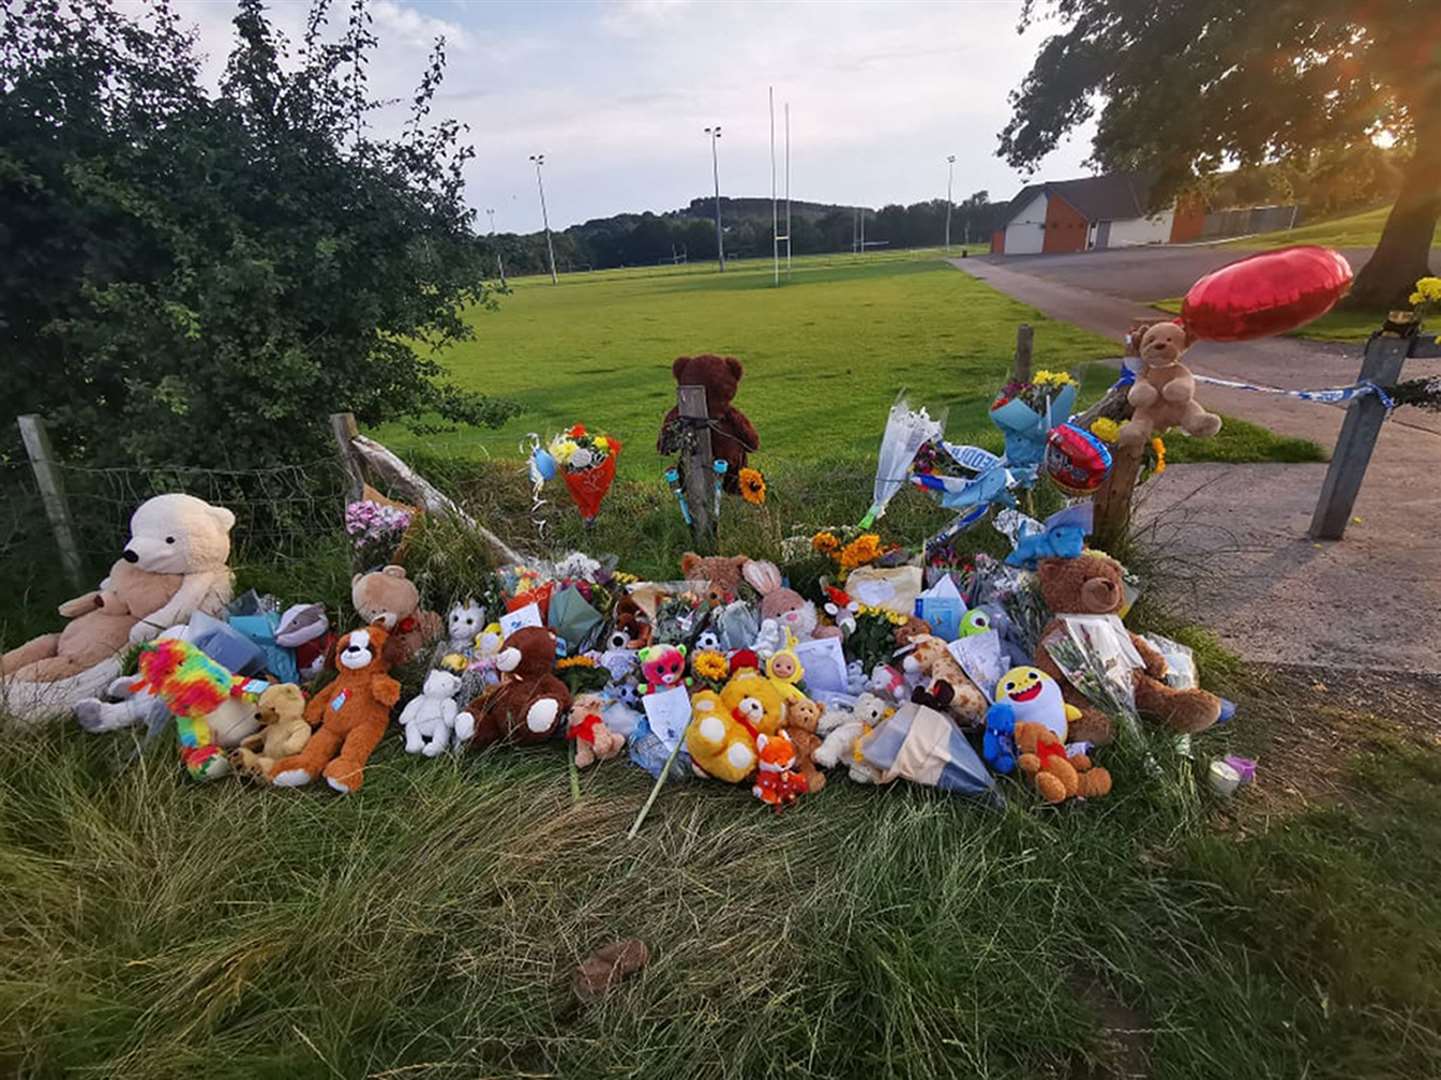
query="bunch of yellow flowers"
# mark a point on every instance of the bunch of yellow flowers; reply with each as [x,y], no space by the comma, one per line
[1428,292]
[1105,429]
[1057,379]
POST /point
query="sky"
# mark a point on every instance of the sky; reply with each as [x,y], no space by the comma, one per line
[616,96]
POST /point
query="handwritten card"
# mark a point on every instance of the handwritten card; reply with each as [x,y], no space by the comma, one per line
[520,618]
[980,658]
[825,665]
[668,713]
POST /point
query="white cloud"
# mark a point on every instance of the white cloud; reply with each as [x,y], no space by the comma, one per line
[616,95]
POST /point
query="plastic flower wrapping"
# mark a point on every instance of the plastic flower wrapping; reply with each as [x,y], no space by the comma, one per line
[907,430]
[585,460]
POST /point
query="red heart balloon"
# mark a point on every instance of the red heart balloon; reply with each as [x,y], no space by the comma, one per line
[1266,294]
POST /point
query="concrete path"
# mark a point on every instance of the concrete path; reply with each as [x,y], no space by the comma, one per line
[1237,558]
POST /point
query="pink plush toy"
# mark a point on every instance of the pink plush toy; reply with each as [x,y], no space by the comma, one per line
[786,606]
[662,667]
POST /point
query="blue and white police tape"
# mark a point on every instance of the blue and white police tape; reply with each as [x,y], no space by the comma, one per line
[1329,395]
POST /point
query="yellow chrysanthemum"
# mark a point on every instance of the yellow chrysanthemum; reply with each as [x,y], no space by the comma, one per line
[575,661]
[825,542]
[1105,429]
[709,664]
[753,486]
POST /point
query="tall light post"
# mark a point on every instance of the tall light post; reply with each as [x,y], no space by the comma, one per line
[720,244]
[499,265]
[539,160]
[950,175]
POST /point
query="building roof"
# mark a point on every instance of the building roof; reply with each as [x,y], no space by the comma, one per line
[1111,197]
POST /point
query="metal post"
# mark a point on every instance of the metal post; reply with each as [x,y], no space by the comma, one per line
[539,160]
[950,175]
[499,264]
[788,189]
[720,244]
[698,462]
[775,213]
[52,495]
[1359,431]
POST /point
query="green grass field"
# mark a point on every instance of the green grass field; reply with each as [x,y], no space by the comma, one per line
[427,926]
[1353,230]
[825,356]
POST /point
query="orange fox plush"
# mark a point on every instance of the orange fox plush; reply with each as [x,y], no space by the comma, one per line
[777,784]
[353,713]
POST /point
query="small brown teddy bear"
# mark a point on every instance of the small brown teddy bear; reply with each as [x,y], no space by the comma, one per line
[1091,584]
[586,728]
[388,597]
[1164,393]
[1042,757]
[630,626]
[720,574]
[284,731]
[912,628]
[530,702]
[802,718]
[732,434]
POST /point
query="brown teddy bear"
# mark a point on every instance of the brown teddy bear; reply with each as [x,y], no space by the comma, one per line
[284,732]
[720,574]
[530,702]
[732,434]
[585,726]
[1091,584]
[1164,393]
[388,597]
[912,628]
[100,625]
[352,712]
[802,718]
[631,627]
[1042,757]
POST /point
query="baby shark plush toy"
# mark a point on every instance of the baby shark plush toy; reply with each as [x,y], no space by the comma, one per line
[1023,695]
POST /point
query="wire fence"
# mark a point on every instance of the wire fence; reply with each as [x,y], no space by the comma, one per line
[277,510]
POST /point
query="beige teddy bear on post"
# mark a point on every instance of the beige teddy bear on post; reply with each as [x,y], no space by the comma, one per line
[1164,393]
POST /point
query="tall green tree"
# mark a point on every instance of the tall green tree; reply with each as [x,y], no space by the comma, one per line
[1186,87]
[198,276]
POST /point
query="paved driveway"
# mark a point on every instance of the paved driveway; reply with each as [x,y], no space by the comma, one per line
[1238,558]
[1138,273]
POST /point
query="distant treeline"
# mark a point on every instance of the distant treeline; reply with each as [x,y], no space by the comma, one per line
[688,234]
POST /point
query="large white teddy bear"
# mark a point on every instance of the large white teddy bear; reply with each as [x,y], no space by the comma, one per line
[172,534]
[180,534]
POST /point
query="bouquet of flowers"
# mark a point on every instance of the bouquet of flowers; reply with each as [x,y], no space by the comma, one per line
[586,461]
[375,529]
[1026,411]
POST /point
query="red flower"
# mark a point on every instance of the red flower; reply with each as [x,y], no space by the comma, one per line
[577,431]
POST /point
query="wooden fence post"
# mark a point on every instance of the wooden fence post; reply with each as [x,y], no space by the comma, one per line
[1024,338]
[1381,365]
[698,463]
[344,428]
[1113,498]
[52,494]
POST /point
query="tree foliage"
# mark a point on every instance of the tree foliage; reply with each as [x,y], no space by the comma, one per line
[649,239]
[200,277]
[1187,87]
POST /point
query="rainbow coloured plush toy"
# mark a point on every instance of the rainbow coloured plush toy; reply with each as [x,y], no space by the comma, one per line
[213,708]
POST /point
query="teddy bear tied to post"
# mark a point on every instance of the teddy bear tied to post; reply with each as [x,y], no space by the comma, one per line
[733,436]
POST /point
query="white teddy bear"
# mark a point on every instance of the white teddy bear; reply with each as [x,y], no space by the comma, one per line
[429,718]
[842,739]
[180,534]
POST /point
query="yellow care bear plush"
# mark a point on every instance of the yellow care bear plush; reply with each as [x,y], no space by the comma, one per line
[723,730]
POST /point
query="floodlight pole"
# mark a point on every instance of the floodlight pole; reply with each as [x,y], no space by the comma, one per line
[720,244]
[499,264]
[950,175]
[539,160]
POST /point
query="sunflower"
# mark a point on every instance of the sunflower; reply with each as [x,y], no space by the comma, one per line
[709,664]
[581,661]
[753,486]
[825,542]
